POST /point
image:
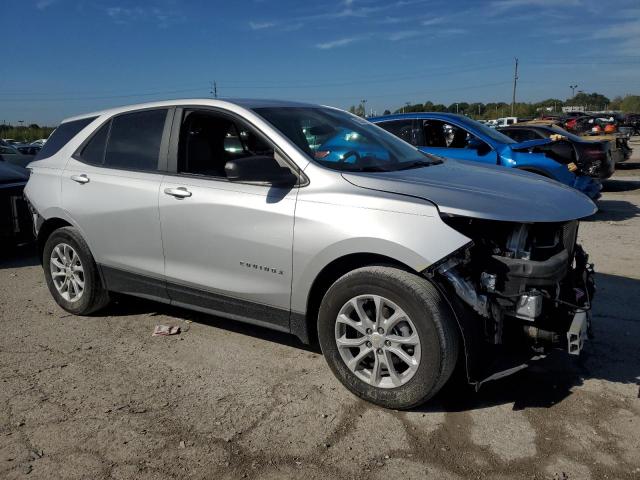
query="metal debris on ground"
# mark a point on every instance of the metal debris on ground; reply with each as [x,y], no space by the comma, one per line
[164,330]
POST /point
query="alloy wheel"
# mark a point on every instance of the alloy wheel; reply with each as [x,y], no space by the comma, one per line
[377,341]
[67,272]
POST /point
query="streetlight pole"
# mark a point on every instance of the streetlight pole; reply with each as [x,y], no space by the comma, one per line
[573,90]
[515,83]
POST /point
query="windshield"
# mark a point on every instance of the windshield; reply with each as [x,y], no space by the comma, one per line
[341,141]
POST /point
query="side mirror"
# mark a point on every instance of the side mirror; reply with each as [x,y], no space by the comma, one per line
[476,144]
[259,168]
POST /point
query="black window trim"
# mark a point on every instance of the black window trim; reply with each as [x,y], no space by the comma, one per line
[161,164]
[174,141]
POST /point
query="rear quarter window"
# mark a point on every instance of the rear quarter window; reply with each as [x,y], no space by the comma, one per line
[61,136]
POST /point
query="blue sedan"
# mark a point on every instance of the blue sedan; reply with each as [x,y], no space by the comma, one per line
[459,137]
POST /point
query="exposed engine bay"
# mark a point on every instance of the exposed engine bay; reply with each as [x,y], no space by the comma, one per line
[529,285]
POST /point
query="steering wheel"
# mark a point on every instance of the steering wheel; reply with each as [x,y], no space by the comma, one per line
[350,153]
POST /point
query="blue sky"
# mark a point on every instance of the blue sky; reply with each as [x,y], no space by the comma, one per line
[64,57]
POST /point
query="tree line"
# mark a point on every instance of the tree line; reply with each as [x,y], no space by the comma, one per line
[25,133]
[479,110]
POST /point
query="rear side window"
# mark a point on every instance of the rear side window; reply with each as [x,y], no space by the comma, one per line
[61,136]
[93,152]
[134,140]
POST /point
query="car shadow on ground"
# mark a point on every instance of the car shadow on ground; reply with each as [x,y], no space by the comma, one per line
[125,305]
[612,356]
[620,185]
[18,256]
[628,165]
[614,211]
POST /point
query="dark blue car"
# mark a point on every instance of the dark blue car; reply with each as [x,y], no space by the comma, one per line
[459,137]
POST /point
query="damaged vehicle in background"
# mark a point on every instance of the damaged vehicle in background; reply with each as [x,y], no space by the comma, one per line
[601,129]
[457,136]
[402,265]
[589,157]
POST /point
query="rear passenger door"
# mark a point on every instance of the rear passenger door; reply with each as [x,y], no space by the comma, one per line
[110,188]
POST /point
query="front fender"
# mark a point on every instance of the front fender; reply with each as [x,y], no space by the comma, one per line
[325,232]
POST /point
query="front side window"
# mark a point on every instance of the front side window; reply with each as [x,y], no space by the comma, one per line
[400,128]
[341,141]
[134,140]
[440,134]
[208,140]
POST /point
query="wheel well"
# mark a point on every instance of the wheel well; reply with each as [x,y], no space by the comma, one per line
[48,227]
[332,272]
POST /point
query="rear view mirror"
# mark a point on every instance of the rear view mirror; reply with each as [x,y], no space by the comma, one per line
[259,168]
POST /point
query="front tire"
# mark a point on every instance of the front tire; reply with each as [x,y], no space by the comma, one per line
[388,336]
[71,273]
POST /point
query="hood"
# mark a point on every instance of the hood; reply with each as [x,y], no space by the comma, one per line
[10,174]
[529,144]
[489,192]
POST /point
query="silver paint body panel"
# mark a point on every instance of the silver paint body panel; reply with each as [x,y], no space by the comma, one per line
[204,241]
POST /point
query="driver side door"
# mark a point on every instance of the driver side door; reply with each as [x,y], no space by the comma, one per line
[453,141]
[227,244]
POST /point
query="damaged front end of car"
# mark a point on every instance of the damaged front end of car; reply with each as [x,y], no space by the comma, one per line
[519,291]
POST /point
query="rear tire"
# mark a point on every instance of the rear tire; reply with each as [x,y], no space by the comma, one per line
[421,340]
[71,273]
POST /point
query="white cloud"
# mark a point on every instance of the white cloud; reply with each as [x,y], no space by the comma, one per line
[261,25]
[125,15]
[404,34]
[433,21]
[341,42]
[42,4]
[627,33]
[510,4]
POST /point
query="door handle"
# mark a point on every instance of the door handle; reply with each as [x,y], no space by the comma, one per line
[179,192]
[82,178]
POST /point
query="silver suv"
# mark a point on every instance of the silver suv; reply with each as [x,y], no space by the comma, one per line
[312,221]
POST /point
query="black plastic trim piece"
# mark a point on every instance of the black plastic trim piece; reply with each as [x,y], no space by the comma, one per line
[118,280]
[298,326]
[225,306]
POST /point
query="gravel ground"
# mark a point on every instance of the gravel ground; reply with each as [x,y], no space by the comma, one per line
[100,398]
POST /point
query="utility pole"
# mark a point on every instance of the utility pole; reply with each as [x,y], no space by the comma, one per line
[456,108]
[214,89]
[515,83]
[573,90]
[407,104]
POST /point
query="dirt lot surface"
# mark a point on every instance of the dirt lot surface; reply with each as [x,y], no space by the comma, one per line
[100,398]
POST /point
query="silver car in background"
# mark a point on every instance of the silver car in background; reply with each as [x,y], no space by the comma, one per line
[309,220]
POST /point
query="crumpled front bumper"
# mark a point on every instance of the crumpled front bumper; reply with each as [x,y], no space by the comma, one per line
[591,187]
